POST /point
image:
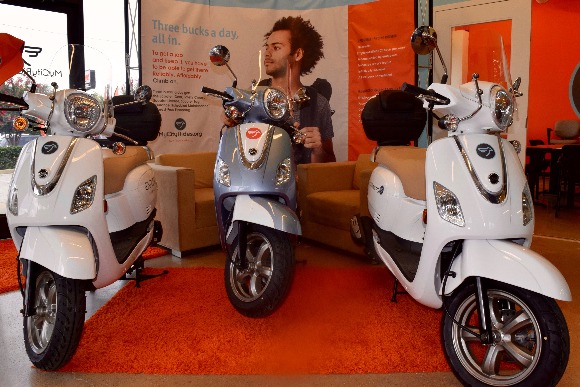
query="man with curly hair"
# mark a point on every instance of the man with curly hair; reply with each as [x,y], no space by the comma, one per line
[293,48]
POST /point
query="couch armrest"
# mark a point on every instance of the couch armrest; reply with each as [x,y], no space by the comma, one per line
[318,177]
[365,177]
[175,204]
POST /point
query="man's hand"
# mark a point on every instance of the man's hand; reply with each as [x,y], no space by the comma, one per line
[312,137]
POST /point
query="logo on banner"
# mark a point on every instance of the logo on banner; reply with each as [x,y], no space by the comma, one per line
[180,124]
[253,133]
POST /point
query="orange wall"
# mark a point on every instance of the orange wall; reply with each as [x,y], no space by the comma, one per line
[554,55]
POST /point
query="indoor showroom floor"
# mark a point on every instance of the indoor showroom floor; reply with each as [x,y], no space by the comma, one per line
[557,239]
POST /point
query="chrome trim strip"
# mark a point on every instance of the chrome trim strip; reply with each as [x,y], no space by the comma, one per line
[48,187]
[494,198]
[258,163]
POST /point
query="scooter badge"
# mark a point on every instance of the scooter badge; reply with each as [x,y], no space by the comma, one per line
[485,151]
[253,133]
[49,148]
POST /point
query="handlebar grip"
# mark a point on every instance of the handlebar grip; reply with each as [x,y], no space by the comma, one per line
[20,102]
[217,93]
[429,95]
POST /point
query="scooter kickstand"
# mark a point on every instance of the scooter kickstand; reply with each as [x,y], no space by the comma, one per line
[138,267]
[395,291]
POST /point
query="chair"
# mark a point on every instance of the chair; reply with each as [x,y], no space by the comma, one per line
[567,132]
[185,201]
[329,195]
[536,168]
[569,174]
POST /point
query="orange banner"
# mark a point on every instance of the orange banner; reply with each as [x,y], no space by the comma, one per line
[380,57]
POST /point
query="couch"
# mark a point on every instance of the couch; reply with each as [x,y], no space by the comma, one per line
[185,201]
[329,195]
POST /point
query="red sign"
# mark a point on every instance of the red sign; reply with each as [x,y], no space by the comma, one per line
[253,133]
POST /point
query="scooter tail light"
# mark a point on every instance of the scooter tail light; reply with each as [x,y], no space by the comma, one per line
[527,206]
[84,195]
[448,205]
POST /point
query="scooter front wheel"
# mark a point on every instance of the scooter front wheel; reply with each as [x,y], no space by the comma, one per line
[259,287]
[52,334]
[531,340]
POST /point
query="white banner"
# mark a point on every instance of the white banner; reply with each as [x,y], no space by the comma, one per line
[176,38]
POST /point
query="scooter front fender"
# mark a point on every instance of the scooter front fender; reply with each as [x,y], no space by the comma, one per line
[510,263]
[266,212]
[63,250]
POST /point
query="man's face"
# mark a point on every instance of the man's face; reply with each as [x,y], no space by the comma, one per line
[278,50]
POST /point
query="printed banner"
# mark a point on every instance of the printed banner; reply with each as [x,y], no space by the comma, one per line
[176,37]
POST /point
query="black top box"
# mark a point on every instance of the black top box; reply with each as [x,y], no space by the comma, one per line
[393,117]
[139,122]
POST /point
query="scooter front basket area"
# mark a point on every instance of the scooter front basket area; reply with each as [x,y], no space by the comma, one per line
[393,117]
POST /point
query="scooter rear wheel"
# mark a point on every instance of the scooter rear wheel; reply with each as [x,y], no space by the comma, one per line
[531,340]
[52,334]
[260,288]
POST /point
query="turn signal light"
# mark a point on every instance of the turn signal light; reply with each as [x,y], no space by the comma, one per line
[425,216]
[20,124]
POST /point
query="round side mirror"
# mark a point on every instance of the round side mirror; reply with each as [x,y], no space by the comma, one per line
[219,55]
[143,93]
[424,40]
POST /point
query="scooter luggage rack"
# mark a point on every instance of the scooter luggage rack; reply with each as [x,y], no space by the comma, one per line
[139,277]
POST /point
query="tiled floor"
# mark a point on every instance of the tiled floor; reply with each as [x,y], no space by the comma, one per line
[558,239]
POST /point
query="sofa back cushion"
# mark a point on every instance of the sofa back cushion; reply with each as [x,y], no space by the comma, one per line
[363,163]
[202,163]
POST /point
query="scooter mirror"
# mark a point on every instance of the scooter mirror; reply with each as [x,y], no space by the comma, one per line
[424,40]
[219,55]
[143,93]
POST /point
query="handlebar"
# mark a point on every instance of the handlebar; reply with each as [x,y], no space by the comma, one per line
[427,95]
[217,93]
[19,103]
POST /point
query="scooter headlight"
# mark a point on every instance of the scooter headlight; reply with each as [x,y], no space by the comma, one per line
[527,206]
[84,195]
[223,173]
[284,171]
[82,111]
[448,205]
[275,103]
[502,107]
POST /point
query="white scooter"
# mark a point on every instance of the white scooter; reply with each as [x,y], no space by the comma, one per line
[80,209]
[454,224]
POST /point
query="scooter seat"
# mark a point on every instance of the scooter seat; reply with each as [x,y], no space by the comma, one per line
[408,163]
[117,167]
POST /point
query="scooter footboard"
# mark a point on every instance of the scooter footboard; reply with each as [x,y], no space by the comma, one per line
[266,212]
[65,251]
[510,263]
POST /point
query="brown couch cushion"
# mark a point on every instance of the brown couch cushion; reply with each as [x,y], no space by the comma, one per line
[202,163]
[407,162]
[333,208]
[117,167]
[204,208]
[362,164]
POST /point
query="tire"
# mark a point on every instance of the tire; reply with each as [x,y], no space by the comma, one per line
[52,335]
[261,288]
[517,358]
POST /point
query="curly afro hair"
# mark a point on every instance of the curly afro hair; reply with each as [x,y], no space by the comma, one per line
[303,35]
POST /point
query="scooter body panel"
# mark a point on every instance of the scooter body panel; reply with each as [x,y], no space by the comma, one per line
[64,250]
[253,153]
[490,211]
[45,202]
[510,263]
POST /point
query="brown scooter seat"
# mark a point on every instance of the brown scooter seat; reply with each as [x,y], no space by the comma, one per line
[117,167]
[408,163]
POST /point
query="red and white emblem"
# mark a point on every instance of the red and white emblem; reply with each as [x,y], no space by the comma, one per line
[253,133]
